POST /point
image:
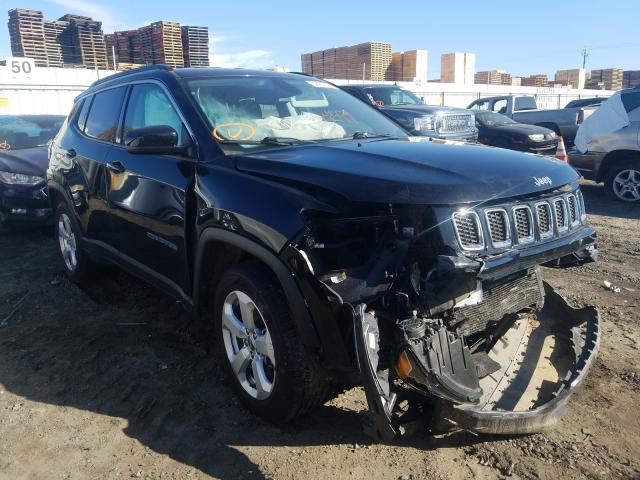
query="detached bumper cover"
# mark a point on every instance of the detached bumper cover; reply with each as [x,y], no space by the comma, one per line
[543,359]
[583,329]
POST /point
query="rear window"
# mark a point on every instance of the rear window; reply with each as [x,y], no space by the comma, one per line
[630,100]
[81,119]
[104,114]
[524,103]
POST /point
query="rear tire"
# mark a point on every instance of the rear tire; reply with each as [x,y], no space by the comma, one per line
[622,181]
[259,346]
[74,260]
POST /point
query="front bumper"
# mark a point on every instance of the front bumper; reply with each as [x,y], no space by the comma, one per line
[543,358]
[588,164]
[24,204]
[565,343]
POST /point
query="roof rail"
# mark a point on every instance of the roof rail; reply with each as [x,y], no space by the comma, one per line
[155,66]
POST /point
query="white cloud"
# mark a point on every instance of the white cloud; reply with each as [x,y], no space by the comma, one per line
[257,59]
[93,10]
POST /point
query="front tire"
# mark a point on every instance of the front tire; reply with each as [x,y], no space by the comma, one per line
[67,234]
[622,181]
[260,349]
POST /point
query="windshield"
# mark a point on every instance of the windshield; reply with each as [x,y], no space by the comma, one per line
[487,118]
[247,111]
[17,132]
[382,96]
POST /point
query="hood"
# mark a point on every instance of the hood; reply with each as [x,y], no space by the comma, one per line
[30,161]
[411,172]
[521,129]
[424,109]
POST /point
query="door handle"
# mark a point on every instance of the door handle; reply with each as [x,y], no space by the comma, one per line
[116,167]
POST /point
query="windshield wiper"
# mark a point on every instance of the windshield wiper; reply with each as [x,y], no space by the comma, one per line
[358,135]
[279,141]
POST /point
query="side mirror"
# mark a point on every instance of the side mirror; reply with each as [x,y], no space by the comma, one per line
[154,139]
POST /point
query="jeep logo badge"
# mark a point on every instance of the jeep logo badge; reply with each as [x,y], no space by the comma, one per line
[541,181]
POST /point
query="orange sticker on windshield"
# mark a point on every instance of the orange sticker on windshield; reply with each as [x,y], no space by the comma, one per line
[5,146]
[379,103]
[233,131]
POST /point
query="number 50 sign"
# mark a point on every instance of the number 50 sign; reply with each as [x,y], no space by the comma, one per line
[20,66]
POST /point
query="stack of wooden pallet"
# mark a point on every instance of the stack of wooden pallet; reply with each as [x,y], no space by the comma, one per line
[26,29]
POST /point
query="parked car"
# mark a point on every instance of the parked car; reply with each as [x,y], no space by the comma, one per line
[586,102]
[319,244]
[23,162]
[500,131]
[406,109]
[608,146]
[523,109]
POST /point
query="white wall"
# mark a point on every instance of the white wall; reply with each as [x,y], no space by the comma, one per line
[52,90]
[44,90]
[457,95]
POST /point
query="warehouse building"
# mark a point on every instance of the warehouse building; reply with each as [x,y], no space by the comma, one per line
[410,66]
[537,80]
[494,77]
[574,77]
[457,68]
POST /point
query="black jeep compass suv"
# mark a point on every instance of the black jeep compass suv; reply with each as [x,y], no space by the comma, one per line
[318,245]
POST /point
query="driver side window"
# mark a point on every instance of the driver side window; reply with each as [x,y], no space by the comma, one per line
[500,106]
[149,105]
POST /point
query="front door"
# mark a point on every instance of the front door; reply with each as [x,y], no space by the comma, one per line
[147,192]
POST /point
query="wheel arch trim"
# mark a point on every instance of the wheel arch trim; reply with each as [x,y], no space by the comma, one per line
[299,310]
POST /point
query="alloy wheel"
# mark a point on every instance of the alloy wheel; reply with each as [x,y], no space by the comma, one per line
[67,239]
[626,185]
[248,345]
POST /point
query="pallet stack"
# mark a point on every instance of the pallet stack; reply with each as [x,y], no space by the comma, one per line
[53,29]
[82,42]
[368,61]
[317,64]
[26,29]
[195,46]
[305,61]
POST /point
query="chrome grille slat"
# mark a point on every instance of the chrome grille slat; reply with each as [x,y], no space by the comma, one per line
[468,230]
[544,219]
[523,221]
[560,212]
[573,209]
[499,227]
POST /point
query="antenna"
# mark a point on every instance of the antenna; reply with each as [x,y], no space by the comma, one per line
[585,55]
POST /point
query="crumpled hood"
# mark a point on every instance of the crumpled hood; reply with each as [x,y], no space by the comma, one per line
[30,161]
[401,171]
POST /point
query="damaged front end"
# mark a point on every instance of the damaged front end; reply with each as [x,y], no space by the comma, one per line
[447,313]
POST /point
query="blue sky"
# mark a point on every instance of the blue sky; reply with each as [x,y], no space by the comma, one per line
[520,37]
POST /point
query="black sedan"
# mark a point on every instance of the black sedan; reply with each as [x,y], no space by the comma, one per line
[23,161]
[500,131]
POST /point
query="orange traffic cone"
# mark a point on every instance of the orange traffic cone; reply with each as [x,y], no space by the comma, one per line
[561,153]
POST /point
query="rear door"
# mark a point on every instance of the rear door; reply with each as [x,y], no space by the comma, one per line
[148,192]
[80,158]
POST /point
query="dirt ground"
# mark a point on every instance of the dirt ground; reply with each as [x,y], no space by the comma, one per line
[106,382]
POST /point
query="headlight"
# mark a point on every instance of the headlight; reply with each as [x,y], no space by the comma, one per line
[552,134]
[536,137]
[426,123]
[19,178]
